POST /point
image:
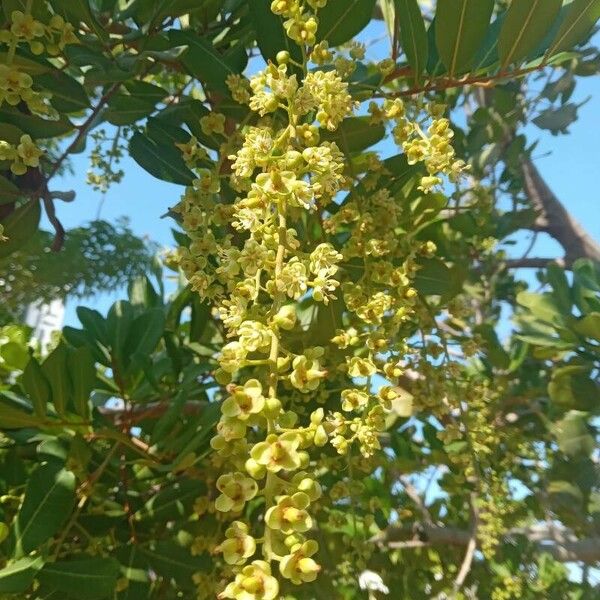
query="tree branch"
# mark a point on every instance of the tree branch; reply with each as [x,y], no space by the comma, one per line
[553,219]
[535,263]
[561,545]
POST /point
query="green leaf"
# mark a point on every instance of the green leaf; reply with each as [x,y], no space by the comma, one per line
[68,94]
[171,560]
[118,326]
[270,34]
[355,134]
[9,192]
[86,579]
[14,418]
[203,61]
[460,29]
[160,130]
[142,293]
[435,278]
[19,226]
[573,434]
[27,65]
[589,326]
[16,577]
[56,371]
[557,120]
[49,499]
[413,35]
[36,127]
[145,333]
[341,20]
[581,18]
[37,387]
[163,162]
[77,12]
[524,28]
[146,91]
[124,109]
[83,377]
[171,503]
[93,323]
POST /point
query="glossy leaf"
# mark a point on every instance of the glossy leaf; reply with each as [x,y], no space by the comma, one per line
[17,576]
[82,372]
[19,226]
[460,29]
[87,579]
[9,192]
[270,34]
[579,21]
[524,27]
[355,134]
[162,161]
[413,35]
[37,387]
[14,418]
[171,560]
[203,60]
[48,502]
[68,95]
[341,20]
[56,371]
[171,503]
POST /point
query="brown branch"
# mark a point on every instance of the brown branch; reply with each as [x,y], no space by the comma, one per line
[467,562]
[59,230]
[83,129]
[561,545]
[446,83]
[535,263]
[153,410]
[555,220]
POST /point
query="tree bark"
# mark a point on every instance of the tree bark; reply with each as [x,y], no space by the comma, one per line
[555,220]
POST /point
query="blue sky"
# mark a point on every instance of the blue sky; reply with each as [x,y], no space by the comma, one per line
[570,163]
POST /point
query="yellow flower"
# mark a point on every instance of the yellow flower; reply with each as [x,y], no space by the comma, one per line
[7,151]
[285,7]
[254,336]
[238,546]
[307,373]
[289,515]
[361,367]
[302,28]
[354,399]
[25,26]
[255,582]
[245,401]
[232,357]
[29,152]
[298,566]
[277,453]
[292,279]
[231,429]
[236,489]
[213,123]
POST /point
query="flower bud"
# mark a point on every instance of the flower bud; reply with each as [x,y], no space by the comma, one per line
[283,57]
[254,469]
[285,317]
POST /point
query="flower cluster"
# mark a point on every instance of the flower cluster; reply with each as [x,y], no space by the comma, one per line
[427,139]
[51,37]
[20,156]
[280,221]
[17,85]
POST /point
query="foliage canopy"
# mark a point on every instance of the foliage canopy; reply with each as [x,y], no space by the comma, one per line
[323,408]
